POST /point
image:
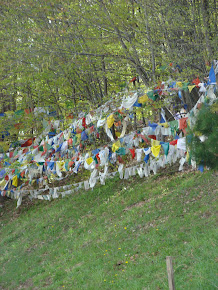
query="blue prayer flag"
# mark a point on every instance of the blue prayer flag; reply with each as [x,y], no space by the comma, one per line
[212,77]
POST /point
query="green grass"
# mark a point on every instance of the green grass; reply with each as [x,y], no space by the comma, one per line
[115,237]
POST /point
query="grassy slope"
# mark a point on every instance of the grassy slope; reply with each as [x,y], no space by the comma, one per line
[115,237]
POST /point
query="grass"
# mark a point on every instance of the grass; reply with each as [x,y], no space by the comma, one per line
[114,237]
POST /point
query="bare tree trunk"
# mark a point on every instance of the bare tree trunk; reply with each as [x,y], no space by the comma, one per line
[135,121]
[104,76]
[150,43]
[134,59]
[143,118]
[206,29]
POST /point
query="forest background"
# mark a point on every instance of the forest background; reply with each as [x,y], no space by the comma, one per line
[70,56]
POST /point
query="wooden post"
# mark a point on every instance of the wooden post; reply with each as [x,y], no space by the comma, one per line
[169,263]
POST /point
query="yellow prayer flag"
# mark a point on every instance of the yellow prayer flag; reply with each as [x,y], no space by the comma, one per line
[165,125]
[155,150]
[179,84]
[15,181]
[116,146]
[143,99]
[190,88]
[117,134]
[63,168]
[89,160]
[8,113]
[110,121]
[61,165]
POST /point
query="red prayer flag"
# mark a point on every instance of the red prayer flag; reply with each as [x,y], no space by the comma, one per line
[174,142]
[183,124]
[22,173]
[152,137]
[84,122]
[132,151]
[196,82]
[27,143]
[97,156]
[70,164]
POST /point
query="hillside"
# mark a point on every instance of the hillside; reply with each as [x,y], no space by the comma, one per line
[114,237]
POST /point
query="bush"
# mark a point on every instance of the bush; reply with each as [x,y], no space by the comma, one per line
[202,140]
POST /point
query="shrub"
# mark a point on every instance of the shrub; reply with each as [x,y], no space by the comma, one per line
[202,140]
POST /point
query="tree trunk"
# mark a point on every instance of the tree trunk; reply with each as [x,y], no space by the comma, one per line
[149,41]
[104,76]
[204,5]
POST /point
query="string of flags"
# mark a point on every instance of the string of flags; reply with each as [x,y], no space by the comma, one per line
[47,157]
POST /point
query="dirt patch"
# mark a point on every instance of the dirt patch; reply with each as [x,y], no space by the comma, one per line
[9,208]
[28,284]
[135,205]
[78,265]
[142,203]
[205,215]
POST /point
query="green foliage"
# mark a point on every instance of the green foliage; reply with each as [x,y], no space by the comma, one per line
[59,53]
[205,151]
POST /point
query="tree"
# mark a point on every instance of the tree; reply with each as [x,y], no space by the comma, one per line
[58,53]
[202,139]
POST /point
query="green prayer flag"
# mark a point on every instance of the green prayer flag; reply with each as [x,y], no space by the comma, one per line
[41,148]
[185,86]
[19,112]
[121,151]
[152,96]
[166,147]
[66,165]
[96,160]
[174,125]
[74,140]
